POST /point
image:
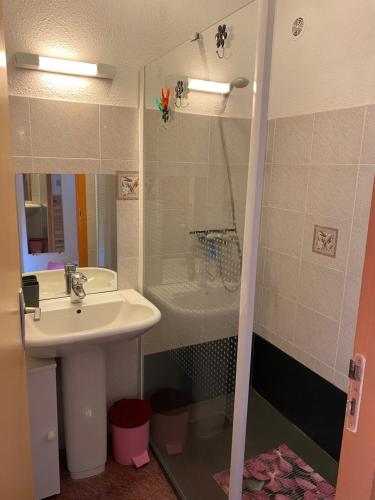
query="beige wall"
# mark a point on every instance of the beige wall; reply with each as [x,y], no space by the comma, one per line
[52,136]
[319,170]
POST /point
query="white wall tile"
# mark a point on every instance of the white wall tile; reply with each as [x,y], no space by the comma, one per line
[20,125]
[167,139]
[270,140]
[266,183]
[174,191]
[281,273]
[193,138]
[22,164]
[112,166]
[151,125]
[119,132]
[127,228]
[293,136]
[127,272]
[332,190]
[341,381]
[218,190]
[229,140]
[345,349]
[278,314]
[337,136]
[174,231]
[66,165]
[351,300]
[316,335]
[284,232]
[288,187]
[321,289]
[364,195]
[368,147]
[64,129]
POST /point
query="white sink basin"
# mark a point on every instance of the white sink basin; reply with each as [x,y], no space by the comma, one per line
[78,333]
[100,318]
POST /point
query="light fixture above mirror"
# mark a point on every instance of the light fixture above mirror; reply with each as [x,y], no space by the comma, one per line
[64,66]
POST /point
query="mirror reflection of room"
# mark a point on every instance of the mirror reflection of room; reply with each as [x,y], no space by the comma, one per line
[67,218]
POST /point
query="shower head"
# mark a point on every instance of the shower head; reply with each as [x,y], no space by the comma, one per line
[239,83]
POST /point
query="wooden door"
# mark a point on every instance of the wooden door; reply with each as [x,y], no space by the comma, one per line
[81,220]
[357,461]
[15,454]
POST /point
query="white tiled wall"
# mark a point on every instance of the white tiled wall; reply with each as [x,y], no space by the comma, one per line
[319,170]
[70,137]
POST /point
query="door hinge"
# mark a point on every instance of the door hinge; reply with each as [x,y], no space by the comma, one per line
[352,405]
[353,370]
[356,375]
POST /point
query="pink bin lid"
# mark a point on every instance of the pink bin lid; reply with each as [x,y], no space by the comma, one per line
[128,413]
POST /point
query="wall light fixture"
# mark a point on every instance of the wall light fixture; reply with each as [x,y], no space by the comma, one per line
[65,66]
[208,86]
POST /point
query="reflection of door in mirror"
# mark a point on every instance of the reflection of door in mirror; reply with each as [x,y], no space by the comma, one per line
[81,220]
[43,213]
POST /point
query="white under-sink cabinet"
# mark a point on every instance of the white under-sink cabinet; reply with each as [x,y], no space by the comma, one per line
[41,381]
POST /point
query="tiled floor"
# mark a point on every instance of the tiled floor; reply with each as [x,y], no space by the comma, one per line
[119,482]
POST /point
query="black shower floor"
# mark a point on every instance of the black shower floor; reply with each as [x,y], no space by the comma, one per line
[208,453]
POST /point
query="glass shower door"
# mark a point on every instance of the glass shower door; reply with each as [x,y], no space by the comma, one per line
[195,174]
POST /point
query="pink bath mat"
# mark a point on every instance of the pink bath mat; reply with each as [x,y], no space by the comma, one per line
[279,474]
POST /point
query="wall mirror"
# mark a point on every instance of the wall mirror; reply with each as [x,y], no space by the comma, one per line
[68,218]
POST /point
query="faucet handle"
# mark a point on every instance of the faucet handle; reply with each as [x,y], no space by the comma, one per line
[70,267]
[78,278]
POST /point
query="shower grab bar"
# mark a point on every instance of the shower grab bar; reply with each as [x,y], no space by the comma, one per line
[208,231]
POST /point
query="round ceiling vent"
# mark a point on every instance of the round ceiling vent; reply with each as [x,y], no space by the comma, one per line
[298,27]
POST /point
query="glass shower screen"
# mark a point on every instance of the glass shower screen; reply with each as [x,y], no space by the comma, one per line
[195,172]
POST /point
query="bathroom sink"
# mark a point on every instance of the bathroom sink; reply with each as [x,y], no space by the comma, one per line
[78,333]
[100,318]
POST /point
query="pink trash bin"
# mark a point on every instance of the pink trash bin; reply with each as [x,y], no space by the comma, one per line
[130,428]
[170,419]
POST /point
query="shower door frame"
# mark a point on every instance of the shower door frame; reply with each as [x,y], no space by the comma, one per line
[257,145]
[263,52]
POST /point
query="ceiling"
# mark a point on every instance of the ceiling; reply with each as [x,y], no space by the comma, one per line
[125,33]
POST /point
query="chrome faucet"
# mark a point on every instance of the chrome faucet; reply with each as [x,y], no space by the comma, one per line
[77,292]
[69,269]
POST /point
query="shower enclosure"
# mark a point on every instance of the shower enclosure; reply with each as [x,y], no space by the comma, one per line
[195,170]
[195,176]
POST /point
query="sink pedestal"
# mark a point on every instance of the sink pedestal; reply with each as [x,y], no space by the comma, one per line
[85,412]
[78,333]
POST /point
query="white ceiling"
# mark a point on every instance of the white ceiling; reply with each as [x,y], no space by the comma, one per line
[125,33]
